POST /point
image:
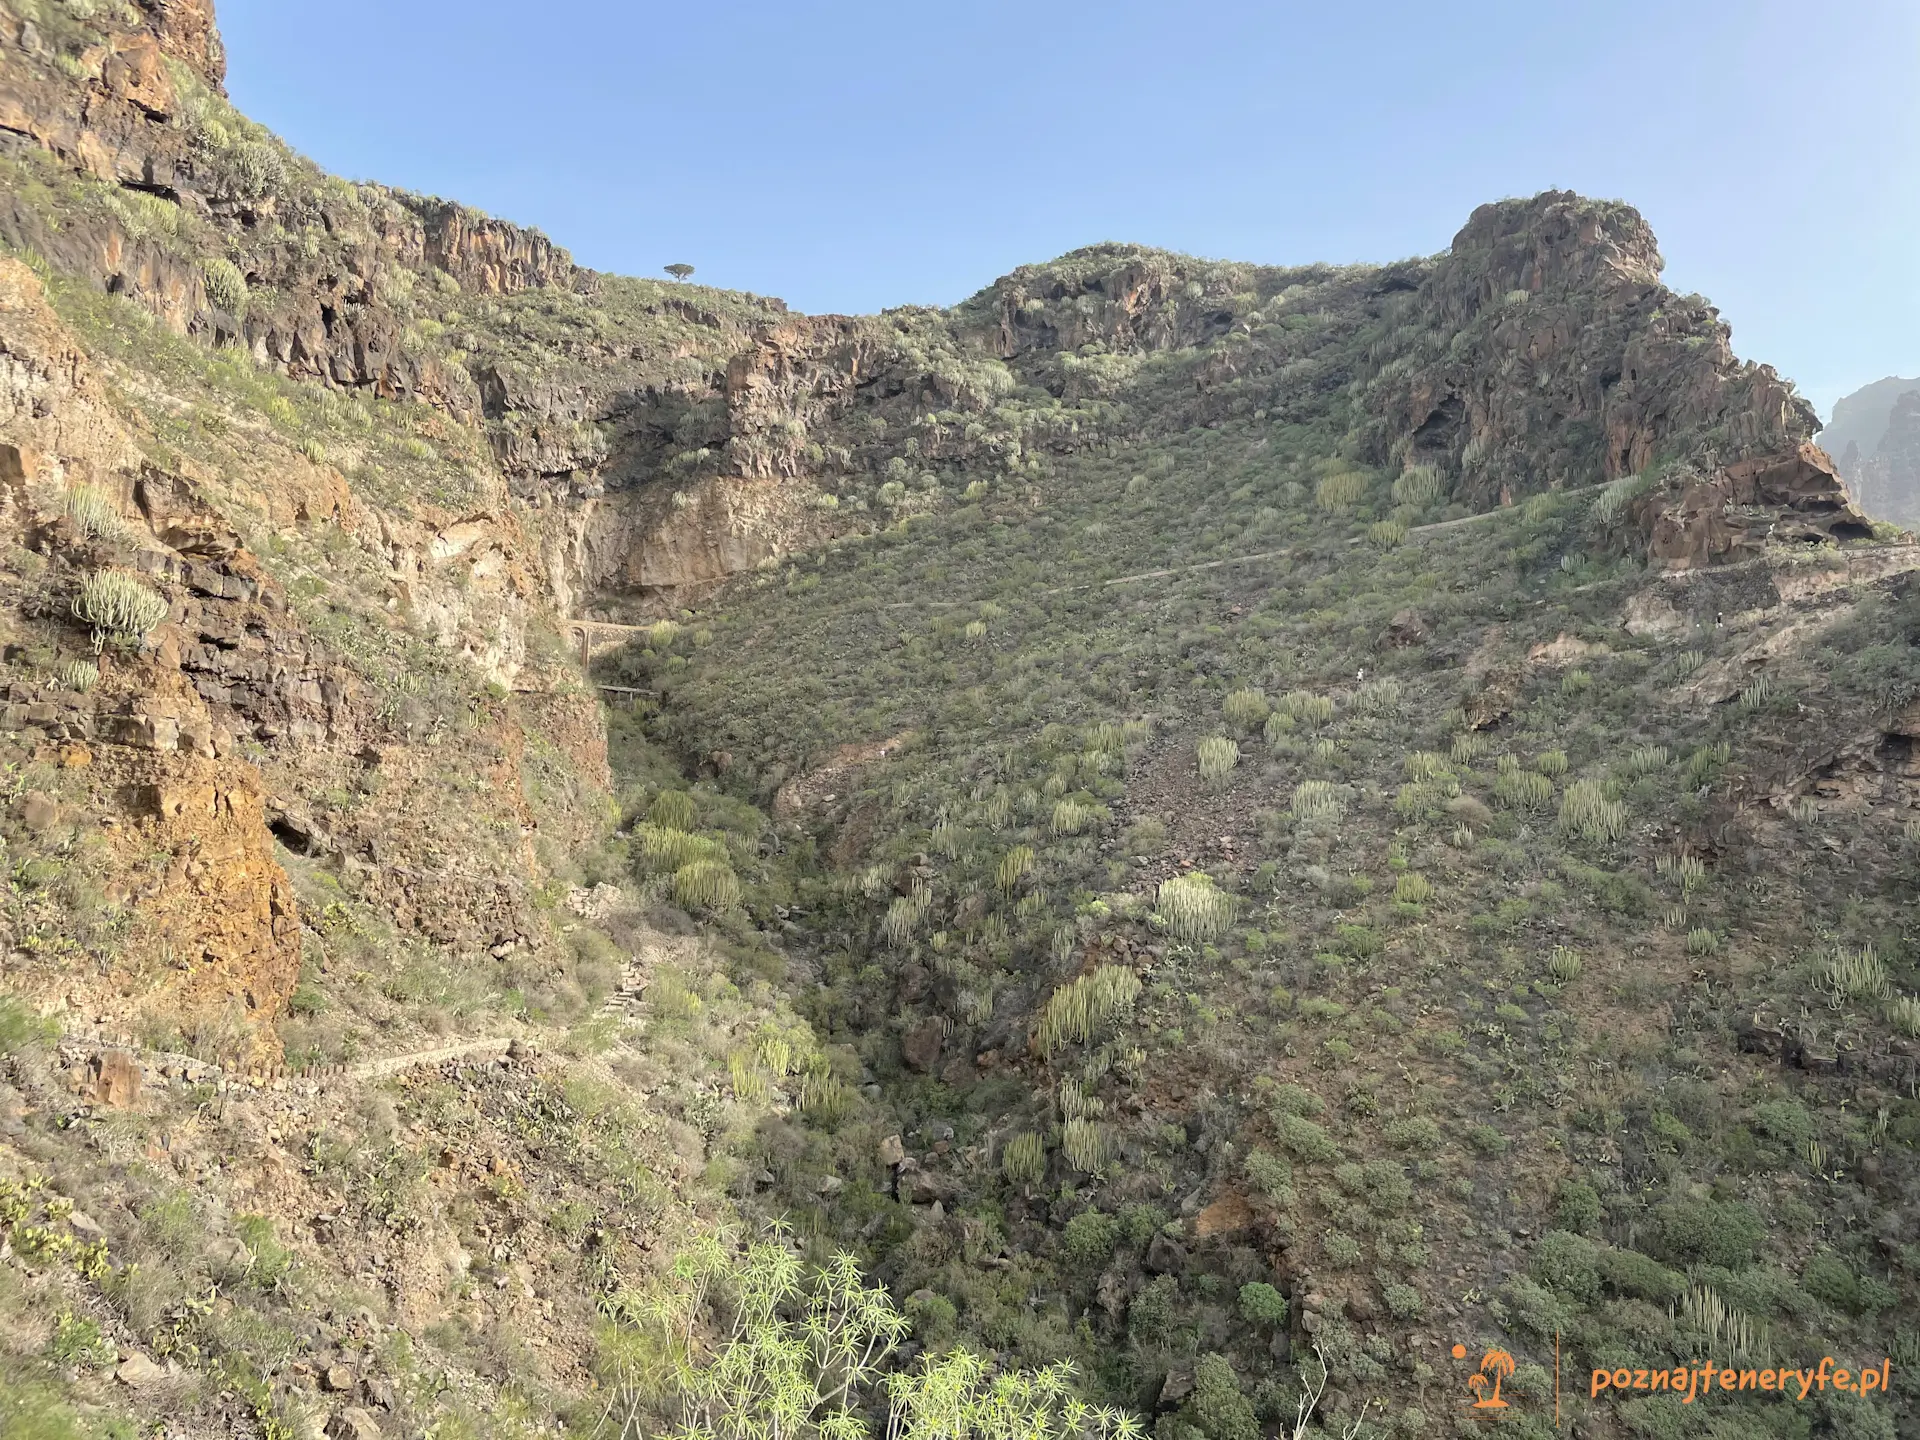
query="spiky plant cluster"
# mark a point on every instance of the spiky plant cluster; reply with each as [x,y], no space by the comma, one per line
[1855,975]
[226,286]
[1758,692]
[1806,810]
[1551,762]
[1070,817]
[1308,708]
[975,630]
[1014,865]
[1563,964]
[116,604]
[776,1053]
[824,1097]
[1540,507]
[1217,756]
[1246,708]
[1195,909]
[1425,765]
[1316,800]
[665,849]
[1611,503]
[1078,1011]
[1418,485]
[1341,490]
[1575,681]
[1468,746]
[1378,697]
[1903,1013]
[92,512]
[1413,889]
[708,885]
[1726,1329]
[1689,870]
[78,675]
[1387,534]
[1587,810]
[662,633]
[1519,789]
[749,1084]
[1087,1144]
[1645,760]
[1703,762]
[904,915]
[1024,1159]
[1702,941]
[672,809]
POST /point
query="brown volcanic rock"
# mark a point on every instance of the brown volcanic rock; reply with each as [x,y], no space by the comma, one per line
[1572,361]
[186,31]
[1791,496]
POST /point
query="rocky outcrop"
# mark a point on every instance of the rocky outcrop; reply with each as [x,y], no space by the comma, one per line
[1790,498]
[1566,361]
[330,305]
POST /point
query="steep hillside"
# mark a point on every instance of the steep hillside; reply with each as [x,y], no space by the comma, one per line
[1244,828]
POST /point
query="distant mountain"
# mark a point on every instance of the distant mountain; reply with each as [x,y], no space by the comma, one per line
[1874,438]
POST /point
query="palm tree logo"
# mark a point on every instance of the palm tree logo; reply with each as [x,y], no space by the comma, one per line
[1495,1363]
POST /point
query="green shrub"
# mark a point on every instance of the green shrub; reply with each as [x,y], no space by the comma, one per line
[1342,1249]
[1304,1139]
[1261,1304]
[1414,1132]
[1577,1208]
[1718,1232]
[1631,1273]
[1567,1264]
[1088,1241]
[1403,1302]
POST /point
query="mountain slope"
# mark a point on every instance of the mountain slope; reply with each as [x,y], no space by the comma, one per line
[1240,826]
[1872,433]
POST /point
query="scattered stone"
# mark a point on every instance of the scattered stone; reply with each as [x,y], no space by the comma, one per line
[39,812]
[922,1045]
[892,1151]
[139,1371]
[353,1423]
[339,1379]
[1166,1256]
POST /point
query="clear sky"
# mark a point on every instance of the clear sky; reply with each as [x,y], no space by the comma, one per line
[850,156]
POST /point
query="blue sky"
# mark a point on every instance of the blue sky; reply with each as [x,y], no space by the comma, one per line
[856,155]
